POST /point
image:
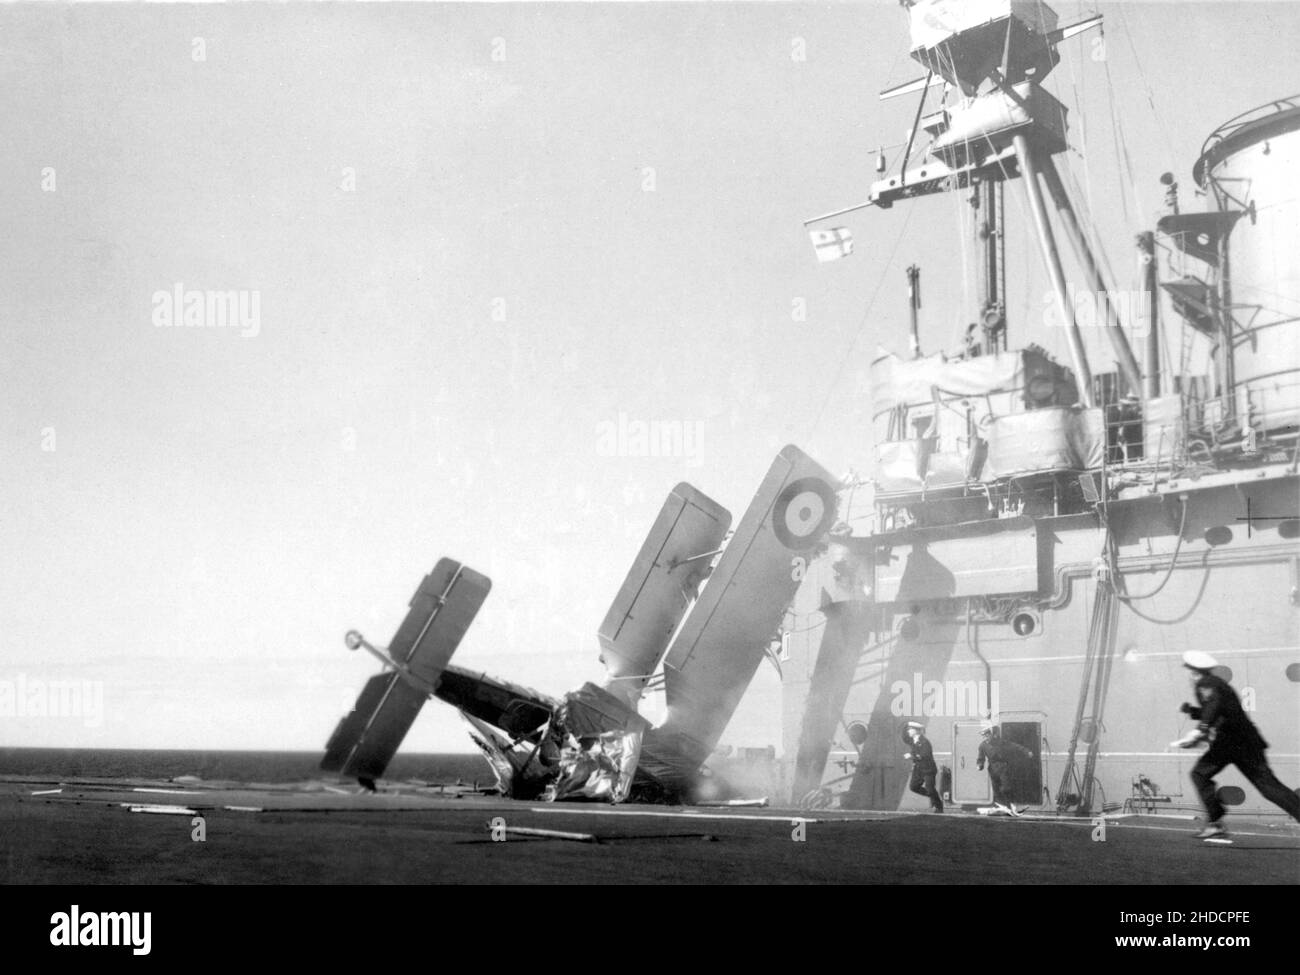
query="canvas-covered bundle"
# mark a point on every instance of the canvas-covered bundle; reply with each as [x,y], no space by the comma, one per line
[929,413]
[898,382]
[1058,438]
[942,423]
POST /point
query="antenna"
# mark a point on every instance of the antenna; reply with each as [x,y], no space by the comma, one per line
[914,304]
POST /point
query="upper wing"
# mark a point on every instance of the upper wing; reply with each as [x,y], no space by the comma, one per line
[664,577]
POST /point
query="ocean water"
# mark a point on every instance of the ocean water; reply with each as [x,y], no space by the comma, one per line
[267,767]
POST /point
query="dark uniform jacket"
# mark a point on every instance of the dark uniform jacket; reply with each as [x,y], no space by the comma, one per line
[996,749]
[1221,715]
[923,755]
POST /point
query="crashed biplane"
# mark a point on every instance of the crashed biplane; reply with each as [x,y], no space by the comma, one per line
[702,604]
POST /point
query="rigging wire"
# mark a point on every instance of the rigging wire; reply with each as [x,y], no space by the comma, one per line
[1121,156]
[1170,155]
[1089,226]
[898,53]
[871,302]
[1078,81]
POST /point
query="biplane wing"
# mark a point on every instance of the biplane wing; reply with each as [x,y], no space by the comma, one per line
[440,612]
[663,580]
[720,645]
[591,743]
[366,740]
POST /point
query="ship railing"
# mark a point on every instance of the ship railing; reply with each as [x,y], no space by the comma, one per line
[1258,118]
[1245,118]
[1178,434]
[1167,438]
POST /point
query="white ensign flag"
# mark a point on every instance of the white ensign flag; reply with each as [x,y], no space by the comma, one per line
[832,244]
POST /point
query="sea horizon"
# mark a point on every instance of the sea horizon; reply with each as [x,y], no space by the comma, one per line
[227,764]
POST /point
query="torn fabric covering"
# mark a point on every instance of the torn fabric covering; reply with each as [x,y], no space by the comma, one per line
[590,751]
[603,769]
[508,762]
[603,746]
[497,761]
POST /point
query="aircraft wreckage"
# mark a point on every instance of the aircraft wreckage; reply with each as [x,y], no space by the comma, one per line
[702,604]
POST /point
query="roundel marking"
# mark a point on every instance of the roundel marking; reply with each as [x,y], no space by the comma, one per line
[804,511]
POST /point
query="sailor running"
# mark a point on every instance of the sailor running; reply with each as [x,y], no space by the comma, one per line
[1234,740]
[923,768]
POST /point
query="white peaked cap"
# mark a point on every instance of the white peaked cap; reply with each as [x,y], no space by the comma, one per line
[1199,660]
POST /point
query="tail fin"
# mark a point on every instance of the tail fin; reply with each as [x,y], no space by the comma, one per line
[441,611]
[718,648]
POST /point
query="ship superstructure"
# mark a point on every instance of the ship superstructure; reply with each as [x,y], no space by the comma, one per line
[1046,541]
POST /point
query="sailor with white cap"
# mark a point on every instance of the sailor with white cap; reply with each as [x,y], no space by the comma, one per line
[923,768]
[1234,740]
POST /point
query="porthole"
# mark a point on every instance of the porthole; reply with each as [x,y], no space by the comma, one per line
[1231,795]
[1218,535]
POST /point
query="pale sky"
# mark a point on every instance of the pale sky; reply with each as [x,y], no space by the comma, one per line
[479,236]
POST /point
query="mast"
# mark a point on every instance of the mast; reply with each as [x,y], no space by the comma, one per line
[993,319]
[1128,363]
[1006,125]
[1052,259]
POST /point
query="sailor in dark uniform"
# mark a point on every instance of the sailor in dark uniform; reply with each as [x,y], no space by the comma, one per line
[1234,740]
[923,767]
[1001,757]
